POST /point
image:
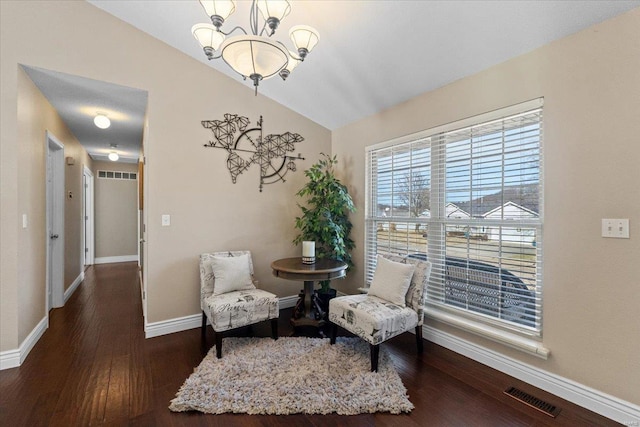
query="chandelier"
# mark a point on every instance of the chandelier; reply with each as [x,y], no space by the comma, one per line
[255,56]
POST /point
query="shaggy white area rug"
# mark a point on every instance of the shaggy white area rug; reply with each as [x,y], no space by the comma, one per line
[291,376]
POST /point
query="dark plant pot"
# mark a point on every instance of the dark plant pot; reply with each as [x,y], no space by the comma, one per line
[321,302]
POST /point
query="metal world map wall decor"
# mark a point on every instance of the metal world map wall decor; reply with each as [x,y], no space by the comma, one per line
[247,146]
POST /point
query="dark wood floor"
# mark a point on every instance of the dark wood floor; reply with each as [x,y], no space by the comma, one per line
[93,366]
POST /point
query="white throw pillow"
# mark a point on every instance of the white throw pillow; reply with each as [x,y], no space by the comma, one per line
[231,274]
[391,280]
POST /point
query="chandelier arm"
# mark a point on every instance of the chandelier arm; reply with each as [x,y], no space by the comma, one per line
[264,30]
[238,27]
[296,57]
[253,18]
[214,56]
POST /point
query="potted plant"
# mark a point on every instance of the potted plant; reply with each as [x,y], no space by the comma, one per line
[325,219]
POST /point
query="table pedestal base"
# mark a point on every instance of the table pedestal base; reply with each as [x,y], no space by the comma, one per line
[307,318]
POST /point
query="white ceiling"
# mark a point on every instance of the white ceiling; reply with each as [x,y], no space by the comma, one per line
[78,100]
[375,54]
[371,55]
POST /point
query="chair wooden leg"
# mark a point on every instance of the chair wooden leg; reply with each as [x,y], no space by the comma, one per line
[419,339]
[375,350]
[204,325]
[333,333]
[274,329]
[219,345]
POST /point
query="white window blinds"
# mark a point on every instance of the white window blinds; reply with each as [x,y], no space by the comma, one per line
[468,199]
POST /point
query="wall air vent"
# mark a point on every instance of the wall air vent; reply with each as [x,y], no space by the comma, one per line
[117,175]
[534,402]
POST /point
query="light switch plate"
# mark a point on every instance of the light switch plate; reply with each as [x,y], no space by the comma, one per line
[166,220]
[617,228]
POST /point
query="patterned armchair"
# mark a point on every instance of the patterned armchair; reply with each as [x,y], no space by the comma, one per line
[376,319]
[235,301]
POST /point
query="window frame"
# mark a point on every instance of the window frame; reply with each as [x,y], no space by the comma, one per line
[494,328]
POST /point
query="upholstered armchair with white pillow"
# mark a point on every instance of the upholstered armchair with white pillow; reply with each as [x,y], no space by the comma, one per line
[229,297]
[393,304]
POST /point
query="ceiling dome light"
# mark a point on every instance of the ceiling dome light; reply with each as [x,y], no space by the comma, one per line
[102,121]
[113,156]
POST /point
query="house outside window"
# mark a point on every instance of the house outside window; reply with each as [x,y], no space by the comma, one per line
[467,197]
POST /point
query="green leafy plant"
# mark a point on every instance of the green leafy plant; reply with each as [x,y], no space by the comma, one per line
[325,219]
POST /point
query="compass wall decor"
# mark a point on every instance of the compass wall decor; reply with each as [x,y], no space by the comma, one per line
[247,146]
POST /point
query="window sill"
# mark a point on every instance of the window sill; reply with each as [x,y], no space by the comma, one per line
[527,345]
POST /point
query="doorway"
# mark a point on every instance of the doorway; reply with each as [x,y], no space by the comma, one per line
[55,222]
[88,234]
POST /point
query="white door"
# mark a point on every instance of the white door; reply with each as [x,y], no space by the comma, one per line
[88,216]
[55,223]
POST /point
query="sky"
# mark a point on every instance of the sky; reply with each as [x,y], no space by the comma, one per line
[476,165]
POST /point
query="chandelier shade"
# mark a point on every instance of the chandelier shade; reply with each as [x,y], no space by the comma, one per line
[218,10]
[291,64]
[304,38]
[207,36]
[254,55]
[274,11]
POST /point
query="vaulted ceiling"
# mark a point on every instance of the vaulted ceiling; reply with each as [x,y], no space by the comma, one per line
[372,54]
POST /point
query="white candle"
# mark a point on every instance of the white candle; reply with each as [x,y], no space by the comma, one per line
[309,249]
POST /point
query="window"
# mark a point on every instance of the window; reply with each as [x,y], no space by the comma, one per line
[117,175]
[468,197]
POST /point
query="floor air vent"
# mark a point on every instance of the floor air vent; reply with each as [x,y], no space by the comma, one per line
[533,402]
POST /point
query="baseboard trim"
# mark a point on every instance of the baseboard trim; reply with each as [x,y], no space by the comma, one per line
[9,359]
[604,404]
[14,358]
[185,323]
[114,259]
[288,302]
[164,327]
[71,289]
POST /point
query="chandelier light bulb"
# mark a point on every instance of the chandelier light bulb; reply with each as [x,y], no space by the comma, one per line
[102,121]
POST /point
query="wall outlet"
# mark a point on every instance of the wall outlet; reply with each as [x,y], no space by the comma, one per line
[166,220]
[615,228]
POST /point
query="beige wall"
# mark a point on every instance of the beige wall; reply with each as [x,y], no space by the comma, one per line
[116,212]
[591,86]
[35,117]
[73,207]
[182,178]
[590,82]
